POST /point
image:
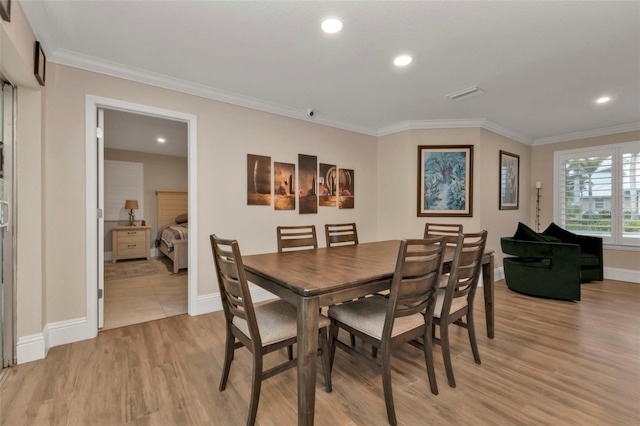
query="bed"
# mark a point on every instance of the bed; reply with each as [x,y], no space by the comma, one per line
[172,237]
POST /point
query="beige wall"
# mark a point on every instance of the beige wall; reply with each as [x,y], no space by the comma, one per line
[542,162]
[160,172]
[226,134]
[398,184]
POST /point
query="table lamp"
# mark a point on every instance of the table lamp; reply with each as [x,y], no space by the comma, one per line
[131,205]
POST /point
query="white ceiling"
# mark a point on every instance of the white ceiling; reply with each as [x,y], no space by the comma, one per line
[136,132]
[542,64]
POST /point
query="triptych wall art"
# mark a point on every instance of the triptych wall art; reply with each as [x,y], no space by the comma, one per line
[326,186]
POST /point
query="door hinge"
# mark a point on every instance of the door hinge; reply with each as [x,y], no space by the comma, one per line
[100,133]
[99,213]
[99,293]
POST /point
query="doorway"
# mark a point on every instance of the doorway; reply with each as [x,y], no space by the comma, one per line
[95,205]
[144,157]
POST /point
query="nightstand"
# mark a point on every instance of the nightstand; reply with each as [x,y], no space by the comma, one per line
[130,242]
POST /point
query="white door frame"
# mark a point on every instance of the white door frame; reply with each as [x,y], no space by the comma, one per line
[92,103]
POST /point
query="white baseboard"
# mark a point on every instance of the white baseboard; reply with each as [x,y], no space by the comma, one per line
[63,332]
[35,346]
[619,274]
[31,348]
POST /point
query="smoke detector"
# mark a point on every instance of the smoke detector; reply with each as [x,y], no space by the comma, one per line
[464,94]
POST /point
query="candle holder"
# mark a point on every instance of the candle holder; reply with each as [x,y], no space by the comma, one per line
[538,187]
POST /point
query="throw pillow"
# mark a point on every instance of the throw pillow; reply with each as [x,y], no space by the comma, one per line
[525,233]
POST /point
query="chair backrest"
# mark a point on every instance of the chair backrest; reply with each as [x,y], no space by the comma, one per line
[442,229]
[415,280]
[341,234]
[292,238]
[466,268]
[234,289]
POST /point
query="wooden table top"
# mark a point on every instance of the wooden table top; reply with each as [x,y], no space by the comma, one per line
[326,270]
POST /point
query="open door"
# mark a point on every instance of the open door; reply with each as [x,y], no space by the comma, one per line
[100,216]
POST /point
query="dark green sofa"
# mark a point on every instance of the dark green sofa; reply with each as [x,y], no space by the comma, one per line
[551,264]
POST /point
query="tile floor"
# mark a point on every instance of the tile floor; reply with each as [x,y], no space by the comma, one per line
[144,298]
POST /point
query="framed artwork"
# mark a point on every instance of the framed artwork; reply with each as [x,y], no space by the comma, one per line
[308,183]
[346,182]
[327,185]
[509,181]
[5,10]
[39,64]
[258,180]
[445,180]
[284,186]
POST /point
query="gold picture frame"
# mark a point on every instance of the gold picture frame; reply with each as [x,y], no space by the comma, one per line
[445,180]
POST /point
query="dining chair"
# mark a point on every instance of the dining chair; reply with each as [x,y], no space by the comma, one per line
[292,238]
[446,229]
[340,234]
[442,229]
[261,329]
[387,323]
[455,302]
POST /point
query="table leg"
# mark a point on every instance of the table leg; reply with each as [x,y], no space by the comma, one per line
[487,280]
[307,356]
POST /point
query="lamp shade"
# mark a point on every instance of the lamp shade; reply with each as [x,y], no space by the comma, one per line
[131,204]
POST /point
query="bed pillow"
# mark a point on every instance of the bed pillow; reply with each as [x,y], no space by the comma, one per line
[183,218]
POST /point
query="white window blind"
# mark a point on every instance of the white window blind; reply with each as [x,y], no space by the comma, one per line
[597,192]
[123,180]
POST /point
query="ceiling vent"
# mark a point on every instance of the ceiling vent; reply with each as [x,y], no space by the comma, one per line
[464,94]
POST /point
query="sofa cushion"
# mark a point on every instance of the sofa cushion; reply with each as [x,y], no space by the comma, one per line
[524,233]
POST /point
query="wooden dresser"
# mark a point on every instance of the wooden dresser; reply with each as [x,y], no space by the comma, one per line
[130,242]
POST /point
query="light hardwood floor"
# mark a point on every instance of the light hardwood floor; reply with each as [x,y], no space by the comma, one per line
[154,292]
[551,363]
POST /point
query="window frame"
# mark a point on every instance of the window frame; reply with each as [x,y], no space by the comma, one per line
[616,151]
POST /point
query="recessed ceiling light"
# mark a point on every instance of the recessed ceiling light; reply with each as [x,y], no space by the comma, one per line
[402,60]
[331,25]
[161,140]
[603,100]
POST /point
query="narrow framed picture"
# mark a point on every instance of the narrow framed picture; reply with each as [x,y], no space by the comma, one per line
[445,180]
[5,10]
[509,181]
[40,64]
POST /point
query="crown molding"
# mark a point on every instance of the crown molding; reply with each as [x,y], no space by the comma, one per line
[503,131]
[90,63]
[453,124]
[429,124]
[588,134]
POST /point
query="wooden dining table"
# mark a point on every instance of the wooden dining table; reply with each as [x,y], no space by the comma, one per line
[310,279]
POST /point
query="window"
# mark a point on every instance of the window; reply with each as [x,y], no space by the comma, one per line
[598,192]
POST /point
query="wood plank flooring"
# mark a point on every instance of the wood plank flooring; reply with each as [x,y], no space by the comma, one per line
[551,363]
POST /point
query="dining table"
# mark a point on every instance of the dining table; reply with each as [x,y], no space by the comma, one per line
[310,279]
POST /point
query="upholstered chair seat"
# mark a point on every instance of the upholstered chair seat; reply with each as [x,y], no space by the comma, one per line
[368,315]
[277,321]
